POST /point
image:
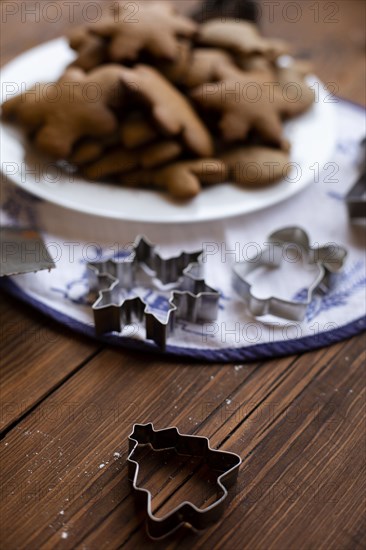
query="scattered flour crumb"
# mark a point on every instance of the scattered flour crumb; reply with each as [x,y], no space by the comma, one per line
[61,512]
[117,455]
[6,444]
[101,466]
[238,367]
[228,401]
[64,535]
[350,391]
[212,377]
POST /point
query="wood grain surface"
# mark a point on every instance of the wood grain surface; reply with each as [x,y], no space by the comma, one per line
[68,404]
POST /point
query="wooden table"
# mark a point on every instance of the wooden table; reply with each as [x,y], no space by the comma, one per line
[68,404]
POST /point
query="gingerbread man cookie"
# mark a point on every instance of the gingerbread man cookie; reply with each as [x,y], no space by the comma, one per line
[245,103]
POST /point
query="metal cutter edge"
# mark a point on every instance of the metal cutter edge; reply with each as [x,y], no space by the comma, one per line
[188,445]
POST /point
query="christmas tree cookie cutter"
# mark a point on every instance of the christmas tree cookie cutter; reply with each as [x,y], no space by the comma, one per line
[328,259]
[190,298]
[225,463]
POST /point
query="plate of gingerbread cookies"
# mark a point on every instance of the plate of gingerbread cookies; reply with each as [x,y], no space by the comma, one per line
[162,120]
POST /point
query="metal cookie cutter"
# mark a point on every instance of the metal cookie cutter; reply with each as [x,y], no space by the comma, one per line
[328,259]
[225,463]
[190,298]
[356,197]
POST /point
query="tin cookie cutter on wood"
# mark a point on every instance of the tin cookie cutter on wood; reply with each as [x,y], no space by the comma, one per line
[225,463]
[328,259]
[190,298]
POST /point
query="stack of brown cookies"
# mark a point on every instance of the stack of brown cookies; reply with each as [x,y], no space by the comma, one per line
[155,100]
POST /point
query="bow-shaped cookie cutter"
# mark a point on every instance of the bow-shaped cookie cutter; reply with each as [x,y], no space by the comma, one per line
[190,299]
[328,259]
[225,463]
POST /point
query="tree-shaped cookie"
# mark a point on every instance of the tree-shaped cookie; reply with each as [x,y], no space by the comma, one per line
[153,27]
[78,105]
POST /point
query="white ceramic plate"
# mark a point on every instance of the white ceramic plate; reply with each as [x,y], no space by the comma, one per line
[312,137]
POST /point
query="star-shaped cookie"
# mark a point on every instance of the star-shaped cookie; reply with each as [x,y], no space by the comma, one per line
[245,102]
[153,27]
[61,113]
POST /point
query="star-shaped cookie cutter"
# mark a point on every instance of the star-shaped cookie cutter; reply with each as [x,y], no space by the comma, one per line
[225,463]
[328,259]
[190,298]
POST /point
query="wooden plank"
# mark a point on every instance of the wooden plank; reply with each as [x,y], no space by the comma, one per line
[304,465]
[62,444]
[307,471]
[92,415]
[37,355]
[329,34]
